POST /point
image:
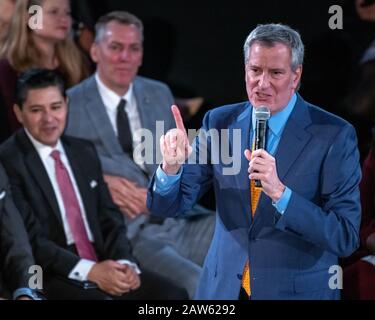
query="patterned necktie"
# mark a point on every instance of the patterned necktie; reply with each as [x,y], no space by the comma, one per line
[123,129]
[254,195]
[83,245]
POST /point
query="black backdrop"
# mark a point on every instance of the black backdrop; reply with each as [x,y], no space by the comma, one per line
[196,46]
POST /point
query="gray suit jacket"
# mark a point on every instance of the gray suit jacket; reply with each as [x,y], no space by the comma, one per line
[88,119]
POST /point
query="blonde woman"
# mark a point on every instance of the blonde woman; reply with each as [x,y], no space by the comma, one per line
[50,47]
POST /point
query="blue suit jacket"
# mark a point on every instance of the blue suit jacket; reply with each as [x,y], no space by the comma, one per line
[290,254]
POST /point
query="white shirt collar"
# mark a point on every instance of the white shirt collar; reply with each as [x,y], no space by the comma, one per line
[43,150]
[110,98]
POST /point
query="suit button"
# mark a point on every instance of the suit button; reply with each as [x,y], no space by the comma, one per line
[239,276]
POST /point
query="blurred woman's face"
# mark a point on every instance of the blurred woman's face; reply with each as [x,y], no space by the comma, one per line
[57,21]
[6,12]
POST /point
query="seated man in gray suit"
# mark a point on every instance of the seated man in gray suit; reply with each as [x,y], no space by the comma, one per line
[109,109]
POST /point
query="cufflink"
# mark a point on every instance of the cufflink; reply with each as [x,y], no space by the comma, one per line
[93,184]
[2,195]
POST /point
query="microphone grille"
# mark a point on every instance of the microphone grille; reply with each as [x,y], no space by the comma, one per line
[262,113]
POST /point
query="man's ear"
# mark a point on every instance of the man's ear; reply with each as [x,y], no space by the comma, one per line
[297,77]
[18,112]
[94,52]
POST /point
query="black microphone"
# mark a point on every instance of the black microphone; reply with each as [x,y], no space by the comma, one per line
[262,114]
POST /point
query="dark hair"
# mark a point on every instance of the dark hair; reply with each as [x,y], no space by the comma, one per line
[122,17]
[37,79]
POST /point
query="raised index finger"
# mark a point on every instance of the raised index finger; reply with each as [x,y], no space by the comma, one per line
[178,118]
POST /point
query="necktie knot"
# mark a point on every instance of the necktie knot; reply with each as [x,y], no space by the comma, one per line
[121,105]
[55,154]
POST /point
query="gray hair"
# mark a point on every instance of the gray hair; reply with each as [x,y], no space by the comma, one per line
[122,17]
[271,34]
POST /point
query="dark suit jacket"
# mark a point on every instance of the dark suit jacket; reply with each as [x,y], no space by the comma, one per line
[15,251]
[36,200]
[291,254]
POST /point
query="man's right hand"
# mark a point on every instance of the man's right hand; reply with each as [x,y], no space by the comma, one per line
[175,146]
[111,277]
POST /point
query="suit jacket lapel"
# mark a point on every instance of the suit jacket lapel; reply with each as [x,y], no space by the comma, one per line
[293,139]
[143,105]
[36,168]
[243,123]
[146,117]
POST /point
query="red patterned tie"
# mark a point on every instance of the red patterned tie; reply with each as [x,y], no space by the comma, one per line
[84,247]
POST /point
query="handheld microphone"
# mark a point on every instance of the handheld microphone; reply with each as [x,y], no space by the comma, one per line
[262,114]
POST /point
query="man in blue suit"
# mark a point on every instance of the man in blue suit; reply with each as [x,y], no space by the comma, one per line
[308,213]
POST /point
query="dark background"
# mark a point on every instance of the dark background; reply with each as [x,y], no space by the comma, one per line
[196,46]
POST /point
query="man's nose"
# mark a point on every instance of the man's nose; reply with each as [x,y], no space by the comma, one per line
[264,81]
[124,55]
[47,116]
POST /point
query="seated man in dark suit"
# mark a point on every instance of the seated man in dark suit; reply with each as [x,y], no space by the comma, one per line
[76,231]
[15,252]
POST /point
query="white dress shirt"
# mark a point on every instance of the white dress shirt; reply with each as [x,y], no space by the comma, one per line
[111,100]
[83,267]
[44,152]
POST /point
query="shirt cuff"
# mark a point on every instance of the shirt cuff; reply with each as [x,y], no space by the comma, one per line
[25,292]
[282,204]
[131,264]
[164,182]
[81,270]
